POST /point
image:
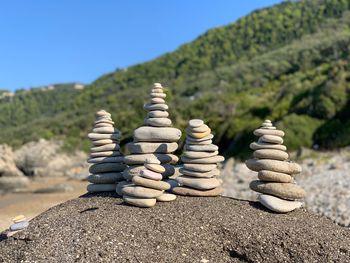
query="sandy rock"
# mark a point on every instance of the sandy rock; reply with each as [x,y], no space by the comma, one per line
[283,190]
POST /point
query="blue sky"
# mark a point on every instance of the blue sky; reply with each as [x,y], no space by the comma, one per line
[54,41]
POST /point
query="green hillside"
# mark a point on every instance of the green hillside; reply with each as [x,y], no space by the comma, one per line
[289,63]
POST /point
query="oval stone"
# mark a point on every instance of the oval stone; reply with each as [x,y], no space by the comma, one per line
[157,101]
[157,168]
[277,204]
[199,135]
[121,185]
[158,114]
[113,159]
[273,165]
[195,123]
[139,202]
[262,145]
[195,140]
[271,154]
[198,183]
[152,147]
[131,171]
[103,141]
[94,188]
[141,158]
[105,154]
[283,190]
[105,130]
[106,167]
[261,132]
[212,173]
[100,136]
[152,107]
[208,160]
[149,183]
[140,191]
[271,139]
[198,155]
[199,167]
[105,178]
[187,191]
[151,175]
[202,128]
[201,148]
[158,122]
[19,226]
[155,134]
[106,147]
[271,176]
[165,197]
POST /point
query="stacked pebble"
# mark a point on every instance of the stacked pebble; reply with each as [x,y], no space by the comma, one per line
[105,157]
[279,191]
[200,160]
[147,188]
[20,222]
[157,139]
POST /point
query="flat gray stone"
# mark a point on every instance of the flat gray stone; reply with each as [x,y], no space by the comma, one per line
[270,176]
[199,167]
[100,136]
[107,130]
[106,167]
[113,159]
[105,154]
[106,147]
[262,145]
[141,192]
[157,114]
[198,155]
[156,134]
[131,171]
[195,123]
[140,202]
[198,183]
[141,158]
[152,147]
[271,139]
[201,148]
[94,188]
[273,165]
[208,160]
[287,191]
[152,107]
[212,173]
[271,154]
[105,178]
[158,122]
[261,132]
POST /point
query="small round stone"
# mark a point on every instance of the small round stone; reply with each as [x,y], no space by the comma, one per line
[157,95]
[19,226]
[157,85]
[202,128]
[261,132]
[165,197]
[195,123]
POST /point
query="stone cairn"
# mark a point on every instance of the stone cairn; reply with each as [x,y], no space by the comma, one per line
[105,157]
[148,187]
[200,157]
[156,140]
[279,192]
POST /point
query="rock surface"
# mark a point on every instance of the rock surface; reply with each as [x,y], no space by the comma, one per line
[102,228]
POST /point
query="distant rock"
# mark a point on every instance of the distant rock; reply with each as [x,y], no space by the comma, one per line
[10,176]
[57,188]
[45,159]
[102,228]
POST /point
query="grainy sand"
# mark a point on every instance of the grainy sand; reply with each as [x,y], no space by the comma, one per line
[31,204]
